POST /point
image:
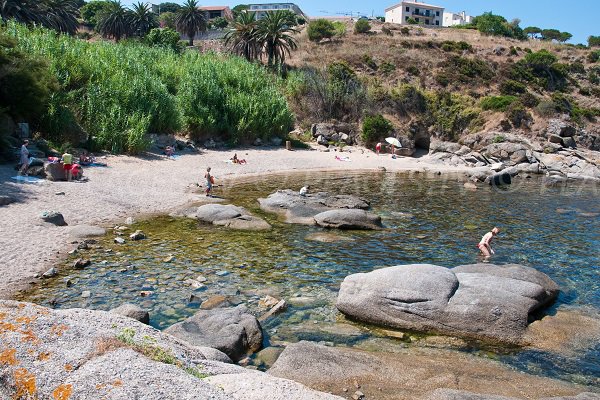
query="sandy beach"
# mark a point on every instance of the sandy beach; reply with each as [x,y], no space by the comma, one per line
[133,186]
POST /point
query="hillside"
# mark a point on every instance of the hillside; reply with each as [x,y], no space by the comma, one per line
[448,83]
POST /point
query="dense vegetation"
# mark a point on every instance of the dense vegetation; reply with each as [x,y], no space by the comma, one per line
[117,94]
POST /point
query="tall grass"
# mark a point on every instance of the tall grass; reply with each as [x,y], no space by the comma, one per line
[117,93]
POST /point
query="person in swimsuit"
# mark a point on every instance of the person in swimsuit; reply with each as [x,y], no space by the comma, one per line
[485,242]
[24,159]
[378,148]
[209,181]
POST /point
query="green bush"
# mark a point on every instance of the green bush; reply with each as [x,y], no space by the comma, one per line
[375,127]
[518,115]
[408,98]
[594,56]
[165,38]
[387,67]
[512,87]
[387,31]
[369,62]
[362,26]
[412,21]
[467,70]
[577,68]
[496,25]
[340,29]
[405,31]
[117,93]
[459,47]
[320,29]
[541,69]
[594,41]
[497,103]
[413,70]
[499,139]
[451,114]
[545,108]
[529,100]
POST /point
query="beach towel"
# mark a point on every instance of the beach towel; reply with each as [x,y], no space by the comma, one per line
[27,179]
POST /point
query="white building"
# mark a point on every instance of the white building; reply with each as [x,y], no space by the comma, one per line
[261,9]
[422,13]
[454,19]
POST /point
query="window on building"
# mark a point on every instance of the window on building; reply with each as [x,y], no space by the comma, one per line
[426,22]
[427,12]
[407,9]
[417,19]
[437,23]
[437,13]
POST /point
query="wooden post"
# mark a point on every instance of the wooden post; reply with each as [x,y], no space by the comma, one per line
[288,145]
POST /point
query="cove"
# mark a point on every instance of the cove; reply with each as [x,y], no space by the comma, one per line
[428,219]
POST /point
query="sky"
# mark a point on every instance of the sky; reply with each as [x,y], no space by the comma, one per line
[581,20]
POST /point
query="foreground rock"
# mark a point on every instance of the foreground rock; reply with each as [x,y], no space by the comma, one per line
[348,219]
[86,354]
[481,301]
[230,330]
[298,209]
[230,216]
[53,217]
[412,373]
[133,311]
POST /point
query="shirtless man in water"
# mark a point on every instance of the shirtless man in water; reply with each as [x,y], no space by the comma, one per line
[485,243]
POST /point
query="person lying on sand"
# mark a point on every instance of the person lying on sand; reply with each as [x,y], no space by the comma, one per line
[485,242]
[237,160]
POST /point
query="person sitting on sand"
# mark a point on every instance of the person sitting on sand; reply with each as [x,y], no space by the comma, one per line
[209,181]
[169,151]
[304,190]
[485,242]
[86,158]
[237,160]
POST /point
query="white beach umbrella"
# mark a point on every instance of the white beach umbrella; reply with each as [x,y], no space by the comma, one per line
[393,141]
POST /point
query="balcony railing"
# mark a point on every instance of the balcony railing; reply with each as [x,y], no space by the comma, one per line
[423,14]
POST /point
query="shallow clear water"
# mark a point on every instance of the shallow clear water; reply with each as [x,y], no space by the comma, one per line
[429,220]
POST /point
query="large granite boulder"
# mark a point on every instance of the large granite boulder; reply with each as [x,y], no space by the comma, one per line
[87,354]
[230,216]
[230,330]
[297,209]
[55,172]
[409,373]
[482,301]
[348,219]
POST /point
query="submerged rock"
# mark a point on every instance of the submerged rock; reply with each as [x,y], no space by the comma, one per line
[482,301]
[297,209]
[230,330]
[230,216]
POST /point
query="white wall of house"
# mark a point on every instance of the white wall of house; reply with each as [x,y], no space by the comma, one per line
[454,19]
[425,14]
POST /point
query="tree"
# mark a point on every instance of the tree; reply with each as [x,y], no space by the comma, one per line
[167,20]
[164,37]
[168,7]
[61,15]
[532,31]
[239,9]
[142,19]
[24,11]
[412,21]
[90,11]
[594,41]
[362,26]
[551,34]
[565,37]
[219,23]
[115,21]
[320,29]
[291,17]
[242,38]
[275,35]
[190,20]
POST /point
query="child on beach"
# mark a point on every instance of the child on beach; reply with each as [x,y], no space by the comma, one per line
[485,243]
[378,148]
[209,181]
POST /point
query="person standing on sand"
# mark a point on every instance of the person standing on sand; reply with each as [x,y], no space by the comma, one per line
[378,148]
[209,181]
[485,243]
[67,160]
[24,160]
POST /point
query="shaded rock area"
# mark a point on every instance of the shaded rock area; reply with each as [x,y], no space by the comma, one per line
[482,301]
[230,330]
[86,354]
[297,209]
[230,216]
[411,373]
[348,219]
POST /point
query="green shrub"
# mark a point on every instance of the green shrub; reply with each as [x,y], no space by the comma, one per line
[545,108]
[459,47]
[442,79]
[529,100]
[407,99]
[375,127]
[584,91]
[405,31]
[518,115]
[467,70]
[387,31]
[593,77]
[512,87]
[497,103]
[165,38]
[577,68]
[450,114]
[369,62]
[594,41]
[513,51]
[413,70]
[499,139]
[340,29]
[541,69]
[412,21]
[320,29]
[496,25]
[362,26]
[387,67]
[594,56]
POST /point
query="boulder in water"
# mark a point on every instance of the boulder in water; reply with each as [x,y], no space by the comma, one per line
[230,216]
[348,219]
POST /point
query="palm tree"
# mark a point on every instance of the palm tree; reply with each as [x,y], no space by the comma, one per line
[115,22]
[61,15]
[275,34]
[142,19]
[190,20]
[24,11]
[242,37]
